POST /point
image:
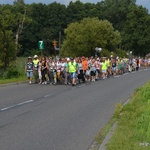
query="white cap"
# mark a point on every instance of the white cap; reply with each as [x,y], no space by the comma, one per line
[35,56]
[29,57]
[68,59]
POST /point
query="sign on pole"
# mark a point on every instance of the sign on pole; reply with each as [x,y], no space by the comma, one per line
[41,45]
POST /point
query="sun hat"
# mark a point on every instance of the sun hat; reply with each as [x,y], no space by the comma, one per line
[29,57]
[35,56]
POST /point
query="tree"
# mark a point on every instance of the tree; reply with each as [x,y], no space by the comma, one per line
[83,37]
[136,32]
[7,44]
[75,11]
[22,20]
[19,2]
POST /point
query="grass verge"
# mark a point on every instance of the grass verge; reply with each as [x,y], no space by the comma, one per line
[13,80]
[133,129]
[15,73]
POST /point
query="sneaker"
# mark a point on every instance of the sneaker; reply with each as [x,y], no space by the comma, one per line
[29,82]
[45,82]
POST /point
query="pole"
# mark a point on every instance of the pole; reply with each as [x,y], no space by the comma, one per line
[55,52]
[59,41]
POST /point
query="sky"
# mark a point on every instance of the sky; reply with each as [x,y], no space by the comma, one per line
[144,3]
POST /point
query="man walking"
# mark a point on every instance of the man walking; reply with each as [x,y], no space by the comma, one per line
[29,69]
[72,70]
[36,65]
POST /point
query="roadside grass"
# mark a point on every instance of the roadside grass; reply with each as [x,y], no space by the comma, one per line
[15,73]
[133,129]
[13,80]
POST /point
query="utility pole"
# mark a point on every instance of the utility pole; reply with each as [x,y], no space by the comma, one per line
[59,42]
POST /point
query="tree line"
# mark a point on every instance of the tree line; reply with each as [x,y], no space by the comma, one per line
[112,25]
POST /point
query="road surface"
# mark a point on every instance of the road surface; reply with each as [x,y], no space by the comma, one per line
[47,117]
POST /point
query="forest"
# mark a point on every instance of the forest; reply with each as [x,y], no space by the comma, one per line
[77,29]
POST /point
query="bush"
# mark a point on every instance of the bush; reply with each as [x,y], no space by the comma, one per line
[10,73]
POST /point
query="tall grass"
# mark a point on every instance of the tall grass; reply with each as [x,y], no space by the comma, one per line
[15,72]
[133,130]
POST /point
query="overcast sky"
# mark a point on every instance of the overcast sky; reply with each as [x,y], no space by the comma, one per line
[144,3]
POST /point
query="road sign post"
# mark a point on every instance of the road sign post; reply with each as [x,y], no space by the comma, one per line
[41,45]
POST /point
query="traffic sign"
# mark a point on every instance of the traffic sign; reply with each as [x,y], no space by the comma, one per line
[54,43]
[41,45]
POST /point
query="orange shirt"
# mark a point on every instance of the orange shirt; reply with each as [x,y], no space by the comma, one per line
[85,64]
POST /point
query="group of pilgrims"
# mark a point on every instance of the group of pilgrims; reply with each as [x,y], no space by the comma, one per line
[69,70]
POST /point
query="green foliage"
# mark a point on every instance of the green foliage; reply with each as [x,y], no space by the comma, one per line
[15,70]
[121,53]
[105,53]
[7,48]
[10,73]
[119,21]
[83,37]
[136,31]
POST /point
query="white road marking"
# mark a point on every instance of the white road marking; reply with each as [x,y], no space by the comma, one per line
[25,102]
[19,104]
[3,109]
[49,95]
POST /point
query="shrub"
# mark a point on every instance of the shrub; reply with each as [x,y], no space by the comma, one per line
[10,73]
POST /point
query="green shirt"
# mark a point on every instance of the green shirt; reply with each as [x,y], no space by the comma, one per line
[104,66]
[72,67]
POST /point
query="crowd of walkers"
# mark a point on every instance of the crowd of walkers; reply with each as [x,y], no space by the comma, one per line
[48,70]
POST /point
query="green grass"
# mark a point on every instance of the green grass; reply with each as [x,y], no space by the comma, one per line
[13,80]
[18,65]
[133,130]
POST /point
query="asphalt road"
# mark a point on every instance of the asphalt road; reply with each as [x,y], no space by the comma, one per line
[47,117]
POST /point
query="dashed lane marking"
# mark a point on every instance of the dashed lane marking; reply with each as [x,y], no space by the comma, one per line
[49,95]
[19,104]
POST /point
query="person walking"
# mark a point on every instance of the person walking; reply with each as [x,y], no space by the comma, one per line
[44,70]
[51,69]
[29,69]
[36,66]
[84,64]
[72,70]
[80,71]
[66,71]
[93,70]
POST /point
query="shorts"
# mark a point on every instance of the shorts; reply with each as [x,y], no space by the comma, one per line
[104,71]
[114,69]
[29,74]
[97,71]
[73,75]
[93,73]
